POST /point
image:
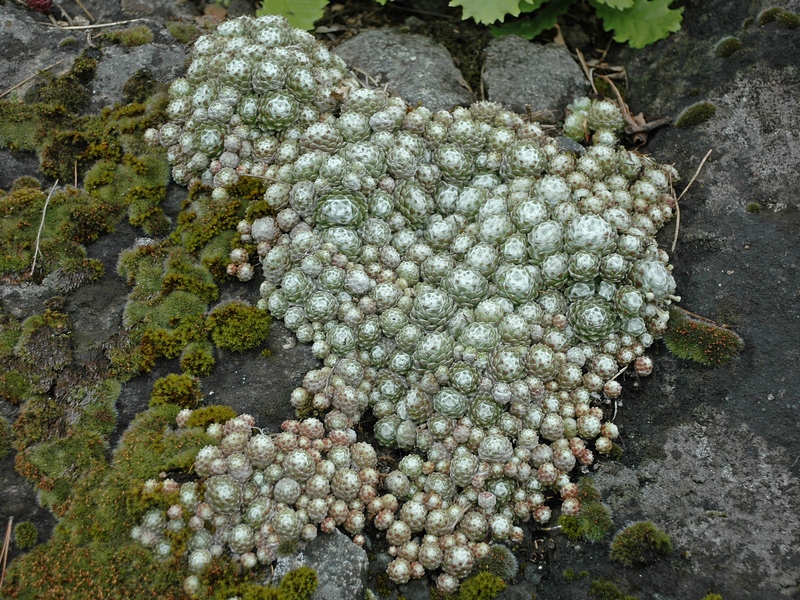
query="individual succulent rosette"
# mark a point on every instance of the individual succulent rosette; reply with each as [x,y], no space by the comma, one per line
[475,285]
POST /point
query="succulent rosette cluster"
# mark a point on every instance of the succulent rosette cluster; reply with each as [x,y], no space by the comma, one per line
[474,283]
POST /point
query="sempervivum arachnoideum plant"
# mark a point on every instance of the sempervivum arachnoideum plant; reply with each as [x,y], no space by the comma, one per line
[460,275]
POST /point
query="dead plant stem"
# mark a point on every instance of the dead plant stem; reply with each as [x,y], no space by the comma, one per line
[683,193]
[24,81]
[36,252]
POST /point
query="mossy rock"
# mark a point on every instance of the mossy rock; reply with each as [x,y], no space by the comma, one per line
[696,114]
[483,586]
[183,390]
[700,340]
[26,535]
[640,544]
[6,437]
[205,415]
[238,326]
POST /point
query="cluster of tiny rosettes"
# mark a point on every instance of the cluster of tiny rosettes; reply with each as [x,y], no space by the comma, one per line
[475,284]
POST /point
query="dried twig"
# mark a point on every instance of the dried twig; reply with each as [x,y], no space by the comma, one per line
[36,252]
[75,169]
[24,81]
[586,70]
[63,12]
[4,554]
[261,177]
[678,200]
[85,10]
[369,80]
[637,125]
[98,25]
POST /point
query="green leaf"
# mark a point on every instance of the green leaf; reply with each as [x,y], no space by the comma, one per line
[617,4]
[299,13]
[647,21]
[530,5]
[487,12]
[529,26]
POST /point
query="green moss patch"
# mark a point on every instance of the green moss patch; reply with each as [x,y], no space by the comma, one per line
[604,589]
[696,114]
[133,36]
[183,390]
[6,437]
[483,586]
[727,46]
[593,522]
[91,554]
[700,340]
[25,535]
[185,33]
[204,416]
[120,174]
[640,544]
[238,326]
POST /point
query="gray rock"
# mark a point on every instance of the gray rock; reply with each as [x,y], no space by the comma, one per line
[697,493]
[416,589]
[340,566]
[517,592]
[518,72]
[164,59]
[157,9]
[28,46]
[413,66]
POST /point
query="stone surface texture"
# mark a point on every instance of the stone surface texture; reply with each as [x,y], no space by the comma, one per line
[412,66]
[340,565]
[518,73]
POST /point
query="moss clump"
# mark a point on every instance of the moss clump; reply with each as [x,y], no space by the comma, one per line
[25,535]
[712,597]
[185,33]
[197,359]
[6,437]
[483,586]
[183,273]
[500,562]
[603,589]
[133,36]
[696,114]
[44,343]
[727,46]
[237,326]
[66,91]
[787,19]
[754,207]
[14,387]
[298,584]
[120,173]
[593,522]
[183,390]
[204,416]
[769,15]
[702,341]
[640,544]
[91,554]
[140,86]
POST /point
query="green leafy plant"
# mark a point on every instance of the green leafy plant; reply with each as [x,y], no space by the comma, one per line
[637,22]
